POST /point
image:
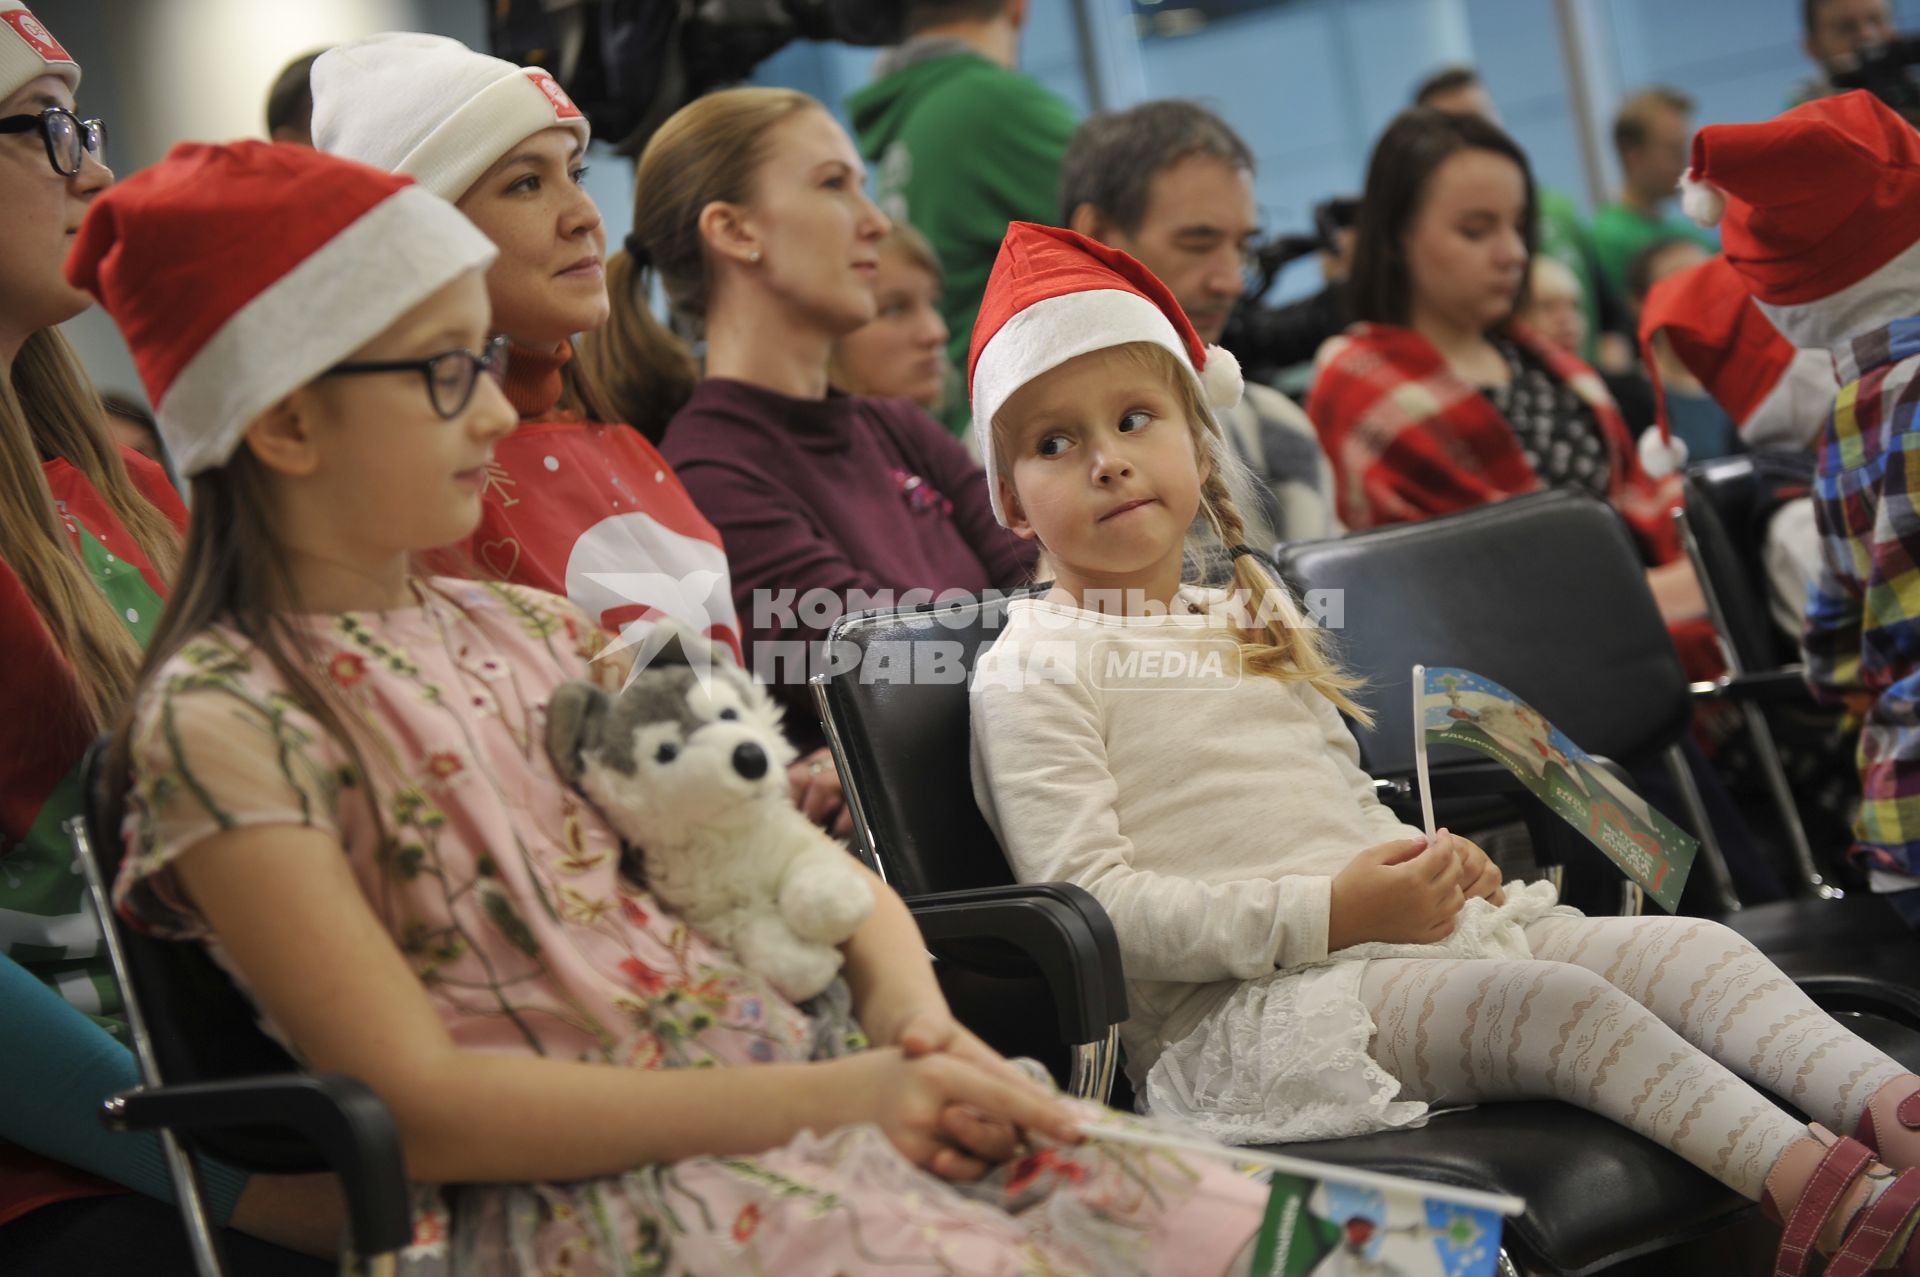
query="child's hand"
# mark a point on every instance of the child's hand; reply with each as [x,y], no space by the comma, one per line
[814,783]
[1402,892]
[947,1113]
[1479,877]
[987,1141]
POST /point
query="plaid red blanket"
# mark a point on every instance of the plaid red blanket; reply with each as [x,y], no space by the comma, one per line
[1410,440]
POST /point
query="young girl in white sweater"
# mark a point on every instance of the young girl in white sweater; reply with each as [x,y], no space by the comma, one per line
[1301,964]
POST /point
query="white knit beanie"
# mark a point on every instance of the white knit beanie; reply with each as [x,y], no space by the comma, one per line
[431,108]
[29,51]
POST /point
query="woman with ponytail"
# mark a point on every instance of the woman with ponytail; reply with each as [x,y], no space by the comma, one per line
[89,538]
[750,207]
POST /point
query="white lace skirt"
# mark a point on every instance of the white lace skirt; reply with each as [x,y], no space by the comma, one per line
[1285,1058]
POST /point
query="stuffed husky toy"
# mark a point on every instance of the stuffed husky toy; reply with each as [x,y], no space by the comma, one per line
[692,772]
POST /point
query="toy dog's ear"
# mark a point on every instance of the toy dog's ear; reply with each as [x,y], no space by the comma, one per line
[573,719]
[675,644]
[669,645]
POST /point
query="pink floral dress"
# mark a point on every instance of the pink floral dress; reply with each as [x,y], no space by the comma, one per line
[504,891]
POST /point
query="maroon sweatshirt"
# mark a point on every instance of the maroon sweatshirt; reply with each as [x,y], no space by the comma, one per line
[839,494]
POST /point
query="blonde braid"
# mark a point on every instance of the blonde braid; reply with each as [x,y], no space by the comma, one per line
[1282,644]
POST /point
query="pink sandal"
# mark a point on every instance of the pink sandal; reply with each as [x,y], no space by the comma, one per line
[1879,1230]
[1890,1124]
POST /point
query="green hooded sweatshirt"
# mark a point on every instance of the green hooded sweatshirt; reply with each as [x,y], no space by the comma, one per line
[959,147]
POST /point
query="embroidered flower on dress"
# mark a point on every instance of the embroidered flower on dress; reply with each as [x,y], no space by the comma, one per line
[746,1222]
[444,765]
[1031,1167]
[347,668]
[643,1052]
[491,668]
[577,906]
[429,1234]
[644,977]
[580,856]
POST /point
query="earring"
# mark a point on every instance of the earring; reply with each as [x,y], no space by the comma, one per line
[754,256]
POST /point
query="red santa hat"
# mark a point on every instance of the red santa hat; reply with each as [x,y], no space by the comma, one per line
[1819,211]
[1054,295]
[29,51]
[239,273]
[1775,393]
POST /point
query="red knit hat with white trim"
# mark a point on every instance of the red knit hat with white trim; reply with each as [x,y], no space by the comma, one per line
[239,273]
[29,51]
[1054,295]
[1774,392]
[1810,204]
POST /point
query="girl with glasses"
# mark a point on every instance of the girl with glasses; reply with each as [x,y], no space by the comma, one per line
[89,541]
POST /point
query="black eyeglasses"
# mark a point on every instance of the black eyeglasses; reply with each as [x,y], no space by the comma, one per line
[67,136]
[451,375]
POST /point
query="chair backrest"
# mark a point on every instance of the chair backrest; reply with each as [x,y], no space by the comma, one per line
[201,1025]
[1544,594]
[898,719]
[1721,498]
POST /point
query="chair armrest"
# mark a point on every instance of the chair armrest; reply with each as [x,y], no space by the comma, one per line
[353,1131]
[1053,928]
[1081,901]
[1786,685]
[1873,995]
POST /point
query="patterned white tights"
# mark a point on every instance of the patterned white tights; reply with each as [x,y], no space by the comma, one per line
[1665,1025]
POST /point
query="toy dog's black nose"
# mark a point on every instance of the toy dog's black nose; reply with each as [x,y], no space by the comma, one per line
[750,761]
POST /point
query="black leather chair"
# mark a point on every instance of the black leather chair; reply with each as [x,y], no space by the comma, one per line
[917,804]
[1719,527]
[213,1083]
[1545,594]
[1725,495]
[1596,1194]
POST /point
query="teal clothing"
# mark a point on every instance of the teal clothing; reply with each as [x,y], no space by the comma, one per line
[1560,233]
[60,1012]
[959,147]
[1702,424]
[1619,232]
[59,1057]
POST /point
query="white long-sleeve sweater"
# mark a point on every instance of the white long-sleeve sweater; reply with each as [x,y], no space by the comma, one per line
[1208,814]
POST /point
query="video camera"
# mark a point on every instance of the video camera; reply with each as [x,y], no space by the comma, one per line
[1270,339]
[1272,256]
[629,64]
[1887,72]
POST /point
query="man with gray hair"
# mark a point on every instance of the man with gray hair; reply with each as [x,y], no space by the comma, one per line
[1170,183]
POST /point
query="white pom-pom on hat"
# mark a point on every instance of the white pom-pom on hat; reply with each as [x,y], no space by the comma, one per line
[1660,453]
[1221,379]
[1701,200]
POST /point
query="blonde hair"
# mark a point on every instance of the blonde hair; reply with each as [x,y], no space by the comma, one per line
[1286,647]
[913,246]
[708,150]
[49,409]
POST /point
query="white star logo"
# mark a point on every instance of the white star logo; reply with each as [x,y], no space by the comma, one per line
[676,600]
